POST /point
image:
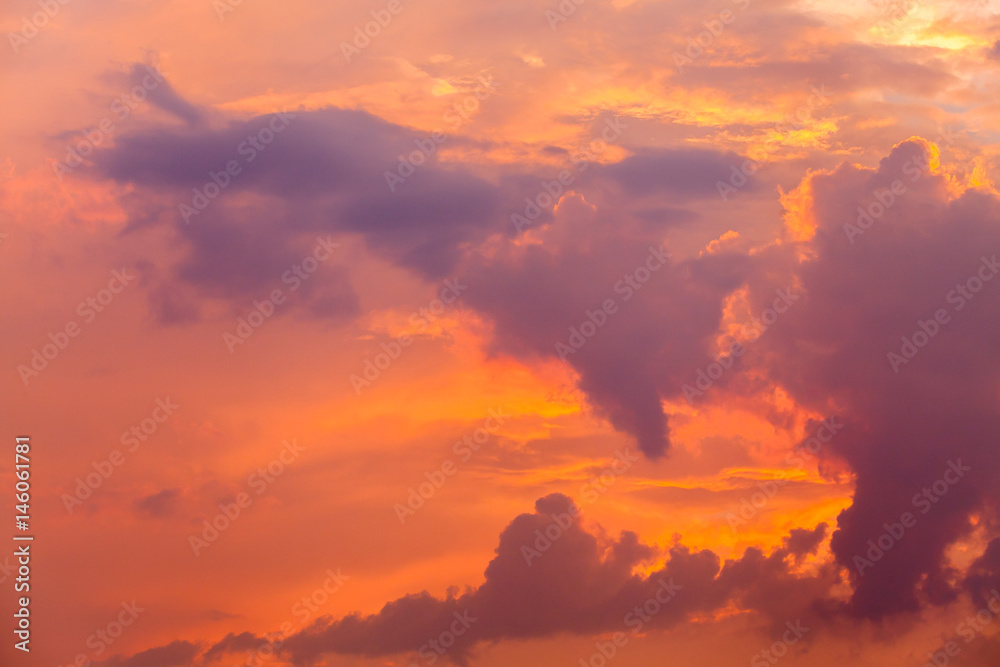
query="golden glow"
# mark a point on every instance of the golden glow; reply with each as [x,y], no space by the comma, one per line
[799,217]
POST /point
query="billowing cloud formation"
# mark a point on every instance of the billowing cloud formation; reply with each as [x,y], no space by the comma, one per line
[899,252]
[633,322]
[323,172]
[899,256]
[896,252]
[249,199]
[262,142]
[551,576]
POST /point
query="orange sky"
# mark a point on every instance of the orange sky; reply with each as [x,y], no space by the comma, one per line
[400,230]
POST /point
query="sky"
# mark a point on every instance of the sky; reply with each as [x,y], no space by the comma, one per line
[580,332]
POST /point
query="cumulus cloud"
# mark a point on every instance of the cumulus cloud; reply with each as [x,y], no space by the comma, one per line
[325,173]
[594,288]
[883,252]
[635,323]
[551,575]
[917,415]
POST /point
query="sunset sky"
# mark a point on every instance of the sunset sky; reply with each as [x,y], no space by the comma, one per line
[527,332]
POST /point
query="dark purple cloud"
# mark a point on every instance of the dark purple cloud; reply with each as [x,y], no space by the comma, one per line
[324,172]
[547,298]
[233,643]
[929,428]
[174,654]
[908,428]
[162,95]
[552,576]
[321,174]
[983,576]
[861,293]
[681,173]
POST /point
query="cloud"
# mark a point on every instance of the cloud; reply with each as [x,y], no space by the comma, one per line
[551,576]
[802,541]
[325,174]
[322,173]
[175,654]
[872,266]
[233,643]
[163,95]
[681,173]
[983,576]
[647,344]
[157,505]
[908,424]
